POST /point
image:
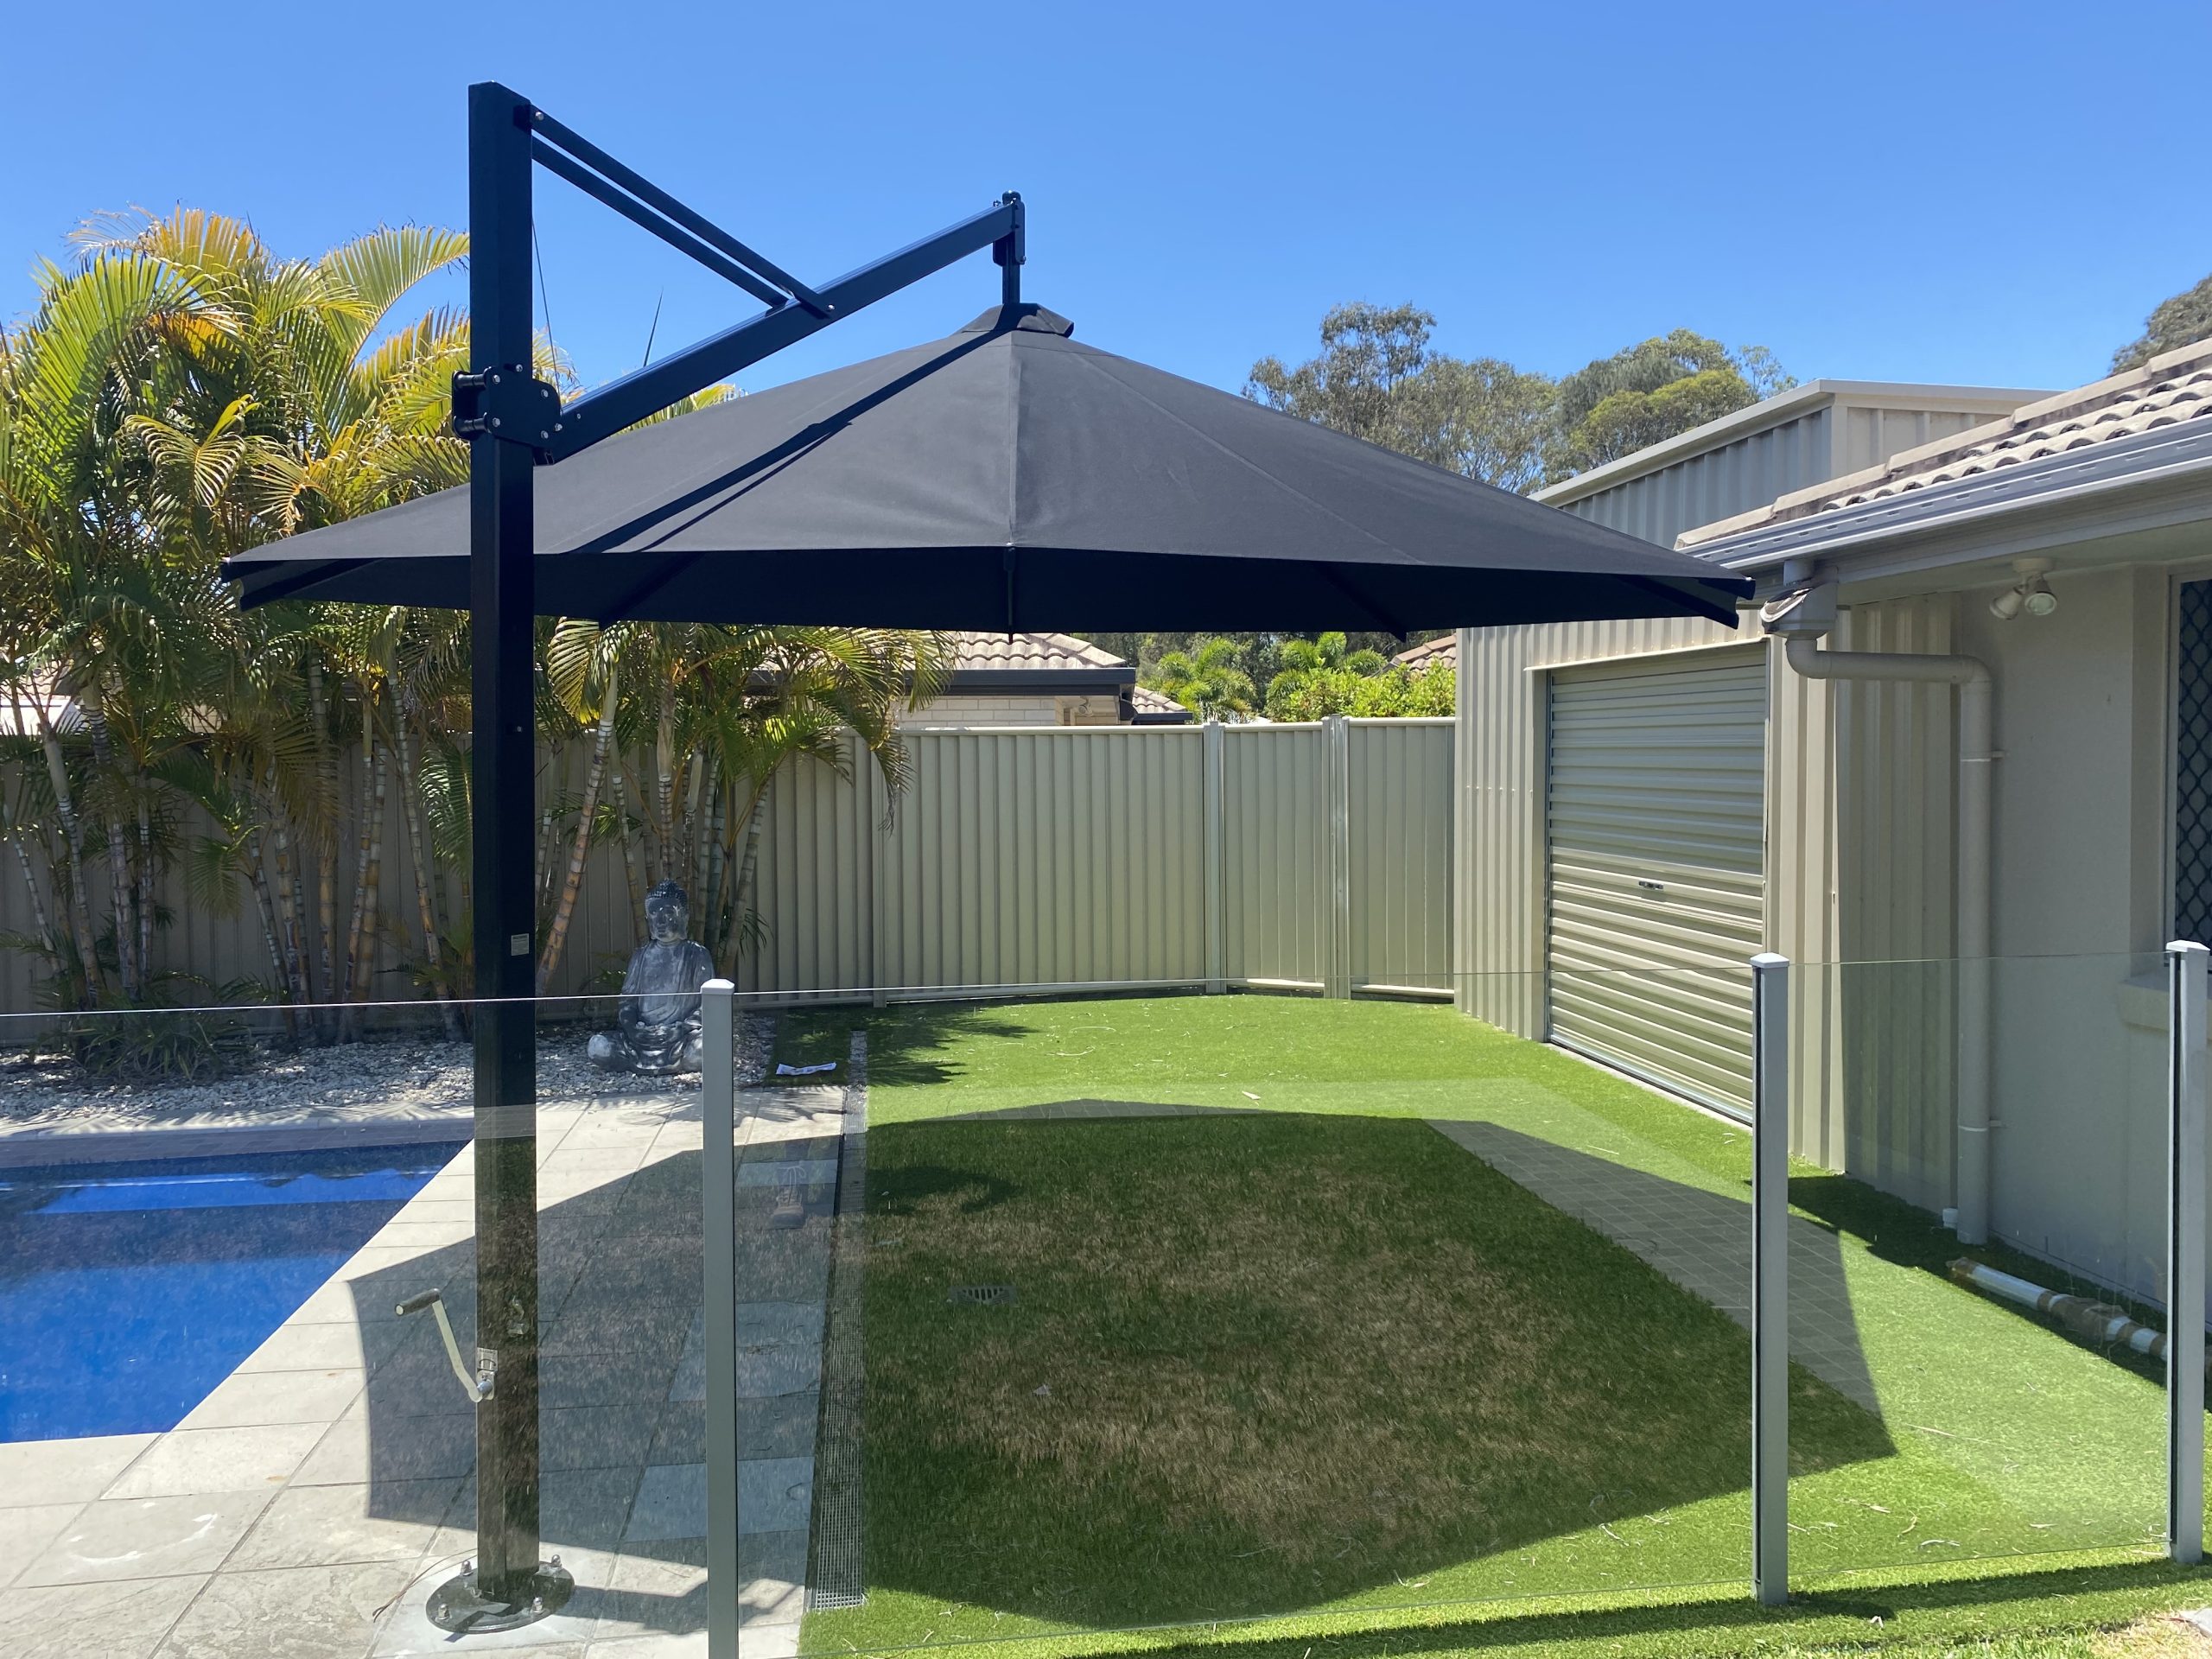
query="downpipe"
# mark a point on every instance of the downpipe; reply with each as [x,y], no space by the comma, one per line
[1804,621]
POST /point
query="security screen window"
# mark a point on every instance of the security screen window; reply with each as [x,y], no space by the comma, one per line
[2193,766]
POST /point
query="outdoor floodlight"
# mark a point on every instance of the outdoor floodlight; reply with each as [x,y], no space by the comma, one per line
[2030,594]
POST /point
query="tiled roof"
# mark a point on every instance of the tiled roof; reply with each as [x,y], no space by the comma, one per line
[2174,387]
[1146,701]
[1443,652]
[981,650]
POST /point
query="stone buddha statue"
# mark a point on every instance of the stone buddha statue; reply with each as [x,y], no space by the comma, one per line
[657,1028]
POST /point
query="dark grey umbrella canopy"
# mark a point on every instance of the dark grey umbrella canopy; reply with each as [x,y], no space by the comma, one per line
[1007,476]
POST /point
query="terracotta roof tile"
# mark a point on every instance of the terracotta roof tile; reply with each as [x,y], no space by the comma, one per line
[979,649]
[1443,652]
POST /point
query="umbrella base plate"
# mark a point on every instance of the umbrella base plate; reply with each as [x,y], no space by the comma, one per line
[461,1605]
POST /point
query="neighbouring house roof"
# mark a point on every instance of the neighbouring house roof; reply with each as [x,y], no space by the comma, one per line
[1443,652]
[19,713]
[1150,708]
[1780,410]
[990,660]
[2169,391]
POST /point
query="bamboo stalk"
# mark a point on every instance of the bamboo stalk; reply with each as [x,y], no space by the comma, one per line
[579,849]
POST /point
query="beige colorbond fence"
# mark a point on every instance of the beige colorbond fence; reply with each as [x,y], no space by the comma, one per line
[1312,855]
[1317,857]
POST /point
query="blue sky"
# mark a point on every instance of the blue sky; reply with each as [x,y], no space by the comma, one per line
[1966,191]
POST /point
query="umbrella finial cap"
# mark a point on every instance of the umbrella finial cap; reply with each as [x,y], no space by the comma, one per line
[1023,319]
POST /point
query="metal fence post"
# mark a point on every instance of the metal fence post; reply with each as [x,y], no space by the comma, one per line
[2186,979]
[718,1226]
[1335,736]
[1216,842]
[1770,1280]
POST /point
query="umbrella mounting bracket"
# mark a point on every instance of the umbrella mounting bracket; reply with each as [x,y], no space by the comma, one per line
[795,309]
[508,403]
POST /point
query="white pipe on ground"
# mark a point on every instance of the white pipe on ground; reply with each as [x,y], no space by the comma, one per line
[2098,1321]
[1802,628]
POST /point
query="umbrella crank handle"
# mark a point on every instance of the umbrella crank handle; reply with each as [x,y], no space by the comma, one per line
[478,1387]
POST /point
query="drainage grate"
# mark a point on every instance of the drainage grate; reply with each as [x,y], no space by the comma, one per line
[981,1295]
[838,1577]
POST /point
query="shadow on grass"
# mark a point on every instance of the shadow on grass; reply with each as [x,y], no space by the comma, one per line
[907,1045]
[1260,1362]
[1906,1236]
[1843,1616]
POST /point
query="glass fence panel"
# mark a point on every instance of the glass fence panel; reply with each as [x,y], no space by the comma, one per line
[249,1299]
[1065,1314]
[1976,1301]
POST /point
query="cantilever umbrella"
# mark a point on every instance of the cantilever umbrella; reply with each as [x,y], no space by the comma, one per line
[1006,476]
[1011,476]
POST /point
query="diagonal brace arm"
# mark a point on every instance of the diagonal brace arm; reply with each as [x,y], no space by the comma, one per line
[644,391]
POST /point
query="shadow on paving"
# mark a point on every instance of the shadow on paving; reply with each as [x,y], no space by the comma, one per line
[620,1269]
[1259,1362]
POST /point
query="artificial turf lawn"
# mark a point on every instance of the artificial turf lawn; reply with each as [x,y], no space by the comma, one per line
[1240,1318]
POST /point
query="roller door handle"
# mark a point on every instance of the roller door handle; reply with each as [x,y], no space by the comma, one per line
[1651,886]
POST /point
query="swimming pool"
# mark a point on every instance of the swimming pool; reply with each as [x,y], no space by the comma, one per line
[129,1290]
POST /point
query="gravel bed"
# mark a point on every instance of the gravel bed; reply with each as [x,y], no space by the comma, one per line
[378,1077]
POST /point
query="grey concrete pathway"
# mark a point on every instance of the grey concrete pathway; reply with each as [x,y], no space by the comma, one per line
[1700,1239]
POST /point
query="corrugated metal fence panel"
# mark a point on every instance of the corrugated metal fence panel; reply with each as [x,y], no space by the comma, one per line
[1658,831]
[814,881]
[1046,857]
[1039,856]
[1401,852]
[1275,815]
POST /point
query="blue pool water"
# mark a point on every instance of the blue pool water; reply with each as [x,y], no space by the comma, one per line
[128,1291]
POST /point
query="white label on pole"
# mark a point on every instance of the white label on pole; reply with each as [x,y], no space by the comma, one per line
[517,945]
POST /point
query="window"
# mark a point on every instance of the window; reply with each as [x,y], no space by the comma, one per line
[2193,765]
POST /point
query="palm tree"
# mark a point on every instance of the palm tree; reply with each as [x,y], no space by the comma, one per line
[1211,681]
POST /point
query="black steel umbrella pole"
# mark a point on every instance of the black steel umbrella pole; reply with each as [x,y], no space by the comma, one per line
[1005,476]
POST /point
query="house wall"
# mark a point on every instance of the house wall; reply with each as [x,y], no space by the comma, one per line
[1861,879]
[2078,915]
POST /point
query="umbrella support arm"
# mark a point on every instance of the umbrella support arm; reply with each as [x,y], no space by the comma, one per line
[795,310]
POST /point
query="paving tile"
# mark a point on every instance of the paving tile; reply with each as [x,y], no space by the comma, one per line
[597,1437]
[191,1460]
[788,1171]
[34,1473]
[126,1620]
[376,1447]
[297,1612]
[327,1526]
[317,1347]
[690,1644]
[25,1533]
[773,1495]
[251,1398]
[604,1379]
[147,1538]
[579,1509]
[671,1504]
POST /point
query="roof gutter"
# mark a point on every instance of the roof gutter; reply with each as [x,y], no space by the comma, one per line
[1896,519]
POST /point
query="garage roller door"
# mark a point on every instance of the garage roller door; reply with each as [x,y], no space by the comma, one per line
[1656,813]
